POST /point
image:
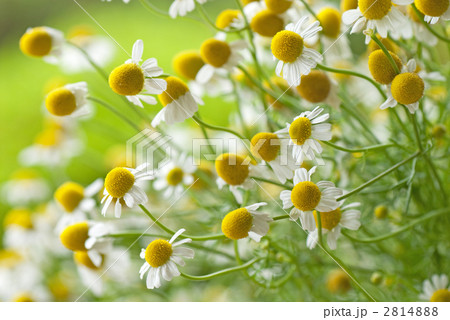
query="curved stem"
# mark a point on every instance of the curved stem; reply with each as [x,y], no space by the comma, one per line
[217,128]
[427,26]
[386,52]
[91,62]
[205,134]
[221,272]
[365,149]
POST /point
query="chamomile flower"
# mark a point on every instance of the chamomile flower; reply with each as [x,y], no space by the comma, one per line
[305,131]
[230,19]
[178,103]
[307,196]
[264,22]
[317,87]
[338,281]
[69,100]
[294,58]
[421,33]
[219,55]
[175,175]
[275,152]
[135,81]
[25,186]
[42,42]
[278,6]
[123,183]
[436,290]
[407,88]
[434,10]
[19,228]
[332,223]
[161,259]
[380,15]
[246,222]
[381,68]
[182,7]
[187,64]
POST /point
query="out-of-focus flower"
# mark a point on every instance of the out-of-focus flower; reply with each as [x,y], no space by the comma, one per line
[42,42]
[436,290]
[25,186]
[182,7]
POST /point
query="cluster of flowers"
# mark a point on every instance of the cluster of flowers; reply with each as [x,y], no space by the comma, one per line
[286,38]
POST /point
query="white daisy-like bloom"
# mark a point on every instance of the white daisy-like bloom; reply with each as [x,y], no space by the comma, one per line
[161,259]
[379,15]
[122,186]
[219,55]
[218,85]
[436,290]
[420,32]
[69,100]
[246,222]
[407,88]
[97,244]
[43,42]
[305,131]
[295,59]
[332,223]
[178,103]
[433,10]
[138,81]
[25,186]
[230,19]
[182,7]
[175,175]
[276,153]
[19,229]
[307,196]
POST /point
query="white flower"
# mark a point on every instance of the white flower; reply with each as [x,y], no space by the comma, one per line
[43,42]
[307,196]
[182,7]
[430,9]
[304,133]
[161,259]
[295,58]
[123,183]
[25,187]
[436,290]
[333,222]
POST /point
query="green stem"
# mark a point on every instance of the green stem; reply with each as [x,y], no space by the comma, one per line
[217,128]
[272,182]
[319,228]
[365,149]
[205,134]
[284,216]
[430,215]
[309,9]
[221,272]
[91,62]
[386,52]
[426,25]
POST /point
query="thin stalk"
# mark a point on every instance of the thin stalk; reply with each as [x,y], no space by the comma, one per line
[427,26]
[272,182]
[205,134]
[365,149]
[217,128]
[221,272]
[386,52]
[284,216]
[91,62]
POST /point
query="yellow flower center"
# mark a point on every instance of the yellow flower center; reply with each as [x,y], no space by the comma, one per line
[127,79]
[74,236]
[265,145]
[9,258]
[61,102]
[348,5]
[287,46]
[412,14]
[200,177]
[58,288]
[48,137]
[175,176]
[19,217]
[226,17]
[36,42]
[330,20]
[24,174]
[433,8]
[266,23]
[69,195]
[246,2]
[407,88]
[118,182]
[82,258]
[25,297]
[237,224]
[381,212]
[215,52]
[278,6]
[439,131]
[187,64]
[315,86]
[175,89]
[338,282]
[300,130]
[380,67]
[329,220]
[232,168]
[306,196]
[158,252]
[441,295]
[375,9]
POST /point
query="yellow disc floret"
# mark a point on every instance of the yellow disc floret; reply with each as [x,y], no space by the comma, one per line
[20,217]
[381,68]
[433,8]
[158,252]
[338,282]
[237,224]
[375,9]
[24,297]
[175,89]
[232,168]
[266,23]
[175,176]
[127,79]
[226,17]
[330,219]
[81,257]
[381,212]
[61,102]
[348,5]
[74,236]
[36,42]
[306,196]
[300,130]
[278,6]
[187,64]
[69,195]
[287,46]
[330,20]
[407,88]
[49,137]
[265,145]
[118,182]
[9,258]
[315,86]
[215,52]
[441,295]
